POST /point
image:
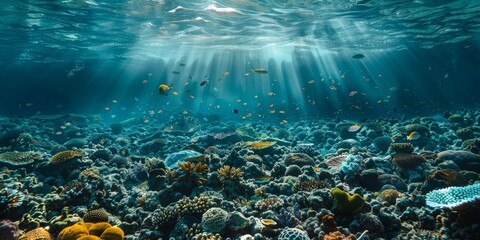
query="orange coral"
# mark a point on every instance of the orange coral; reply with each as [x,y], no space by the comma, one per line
[112,233]
[192,172]
[38,233]
[338,236]
[73,232]
[98,228]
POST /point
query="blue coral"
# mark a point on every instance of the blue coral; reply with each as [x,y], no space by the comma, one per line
[453,197]
[351,165]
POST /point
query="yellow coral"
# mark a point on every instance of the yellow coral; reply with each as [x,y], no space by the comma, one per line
[89,237]
[112,233]
[73,232]
[260,145]
[98,228]
[65,156]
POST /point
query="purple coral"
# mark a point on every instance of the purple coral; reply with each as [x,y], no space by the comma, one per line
[8,230]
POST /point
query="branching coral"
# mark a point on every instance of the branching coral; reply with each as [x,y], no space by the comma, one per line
[230,173]
[197,205]
[269,203]
[192,173]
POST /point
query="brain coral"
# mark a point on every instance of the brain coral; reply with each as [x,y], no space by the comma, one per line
[214,220]
[20,158]
[293,234]
[73,232]
[454,197]
[65,156]
[36,234]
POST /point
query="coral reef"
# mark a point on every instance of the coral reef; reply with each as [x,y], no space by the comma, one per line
[20,158]
[65,156]
[214,220]
[454,197]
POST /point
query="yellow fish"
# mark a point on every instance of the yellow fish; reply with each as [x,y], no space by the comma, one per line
[413,136]
[163,89]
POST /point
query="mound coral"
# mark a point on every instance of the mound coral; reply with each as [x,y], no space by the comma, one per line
[214,220]
[164,216]
[455,198]
[347,203]
[230,173]
[309,186]
[402,147]
[390,196]
[73,232]
[299,159]
[293,233]
[444,178]
[96,216]
[113,233]
[36,234]
[65,156]
[408,160]
[20,158]
[98,228]
[89,231]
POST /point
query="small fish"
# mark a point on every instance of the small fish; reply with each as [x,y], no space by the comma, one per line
[413,136]
[175,93]
[226,74]
[311,81]
[260,71]
[393,89]
[281,111]
[124,152]
[145,81]
[263,178]
[352,93]
[235,111]
[163,89]
[175,72]
[354,128]
[181,64]
[203,82]
[358,56]
[270,93]
[102,142]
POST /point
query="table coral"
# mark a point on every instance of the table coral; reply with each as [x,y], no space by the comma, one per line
[454,197]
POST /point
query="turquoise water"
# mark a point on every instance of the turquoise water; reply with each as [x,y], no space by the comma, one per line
[110,57]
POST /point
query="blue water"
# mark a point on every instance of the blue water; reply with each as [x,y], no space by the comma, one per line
[109,58]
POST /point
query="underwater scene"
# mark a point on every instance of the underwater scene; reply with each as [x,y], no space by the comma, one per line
[238,119]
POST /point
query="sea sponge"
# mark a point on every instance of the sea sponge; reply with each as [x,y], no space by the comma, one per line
[65,156]
[73,232]
[402,147]
[96,216]
[456,198]
[214,220]
[113,233]
[328,223]
[337,235]
[36,234]
[347,203]
[20,158]
[98,228]
[293,233]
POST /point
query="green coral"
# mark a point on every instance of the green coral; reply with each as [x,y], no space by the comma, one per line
[20,158]
[346,202]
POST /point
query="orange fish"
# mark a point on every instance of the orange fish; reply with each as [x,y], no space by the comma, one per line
[354,128]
